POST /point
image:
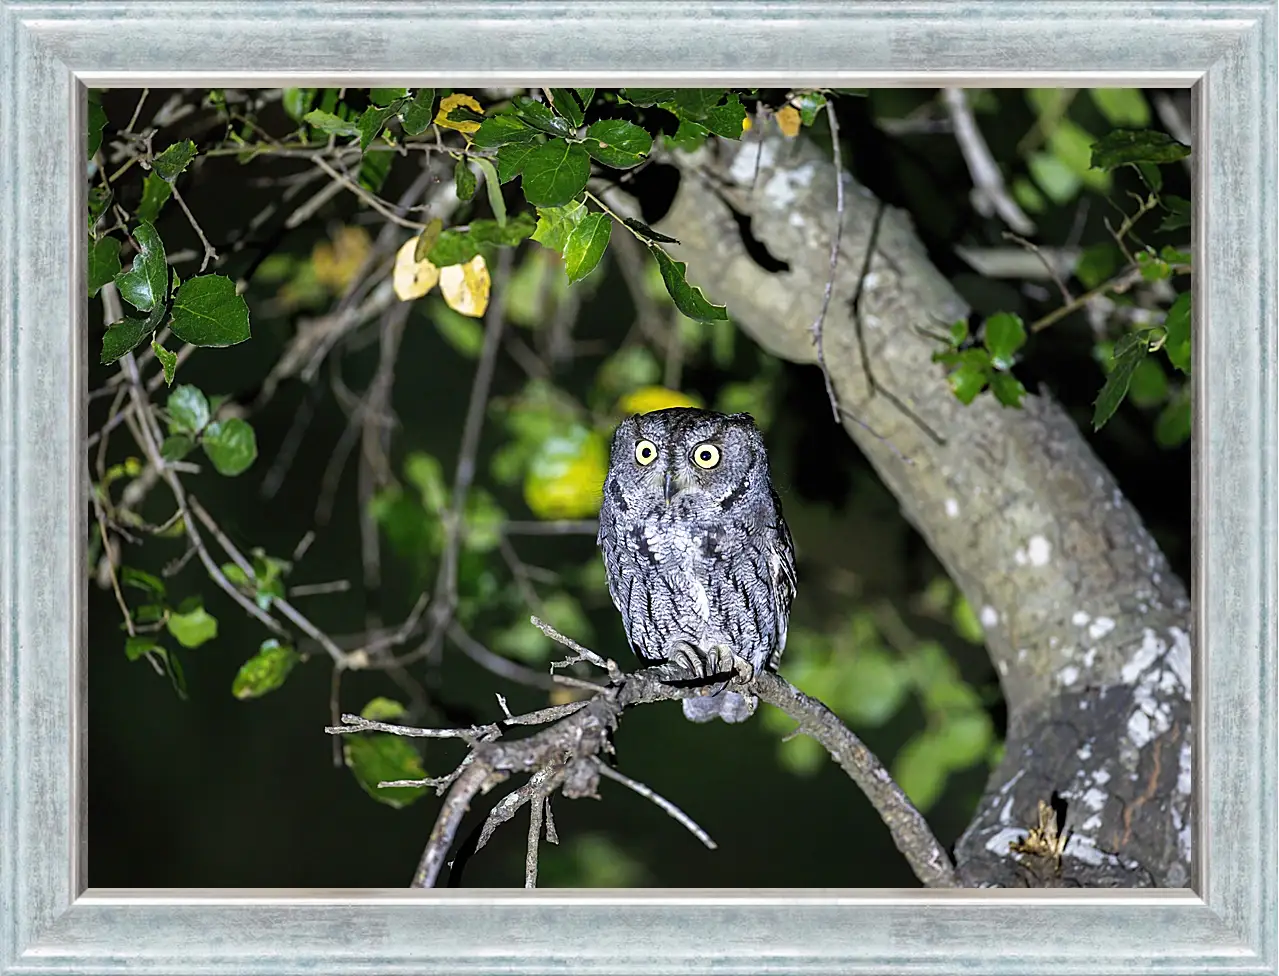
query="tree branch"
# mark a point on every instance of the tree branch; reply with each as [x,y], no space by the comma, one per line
[1085,622]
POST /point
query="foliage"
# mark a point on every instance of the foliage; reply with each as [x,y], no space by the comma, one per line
[529,177]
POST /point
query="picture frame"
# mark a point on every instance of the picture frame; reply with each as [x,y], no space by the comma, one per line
[50,923]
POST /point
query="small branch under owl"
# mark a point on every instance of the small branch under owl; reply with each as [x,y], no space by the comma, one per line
[575,750]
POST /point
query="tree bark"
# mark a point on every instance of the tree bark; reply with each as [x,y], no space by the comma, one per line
[1086,625]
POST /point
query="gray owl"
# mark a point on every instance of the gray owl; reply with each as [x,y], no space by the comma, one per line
[699,560]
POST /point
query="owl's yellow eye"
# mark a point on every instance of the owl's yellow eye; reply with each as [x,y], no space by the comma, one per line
[645,452]
[706,455]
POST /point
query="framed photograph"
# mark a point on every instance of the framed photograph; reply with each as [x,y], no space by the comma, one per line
[638,487]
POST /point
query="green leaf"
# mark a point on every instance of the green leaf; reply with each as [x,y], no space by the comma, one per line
[1151,176]
[964,740]
[371,123]
[330,124]
[964,619]
[688,299]
[502,130]
[540,117]
[1124,146]
[966,382]
[645,97]
[265,671]
[919,770]
[123,336]
[97,122]
[1128,354]
[380,757]
[383,710]
[493,187]
[511,159]
[193,628]
[170,163]
[1003,336]
[459,246]
[617,143]
[1174,255]
[139,645]
[99,199]
[426,474]
[1149,385]
[104,262]
[156,191]
[231,445]
[555,224]
[296,102]
[555,173]
[464,181]
[1172,427]
[188,410]
[417,114]
[374,169]
[726,120]
[586,244]
[168,361]
[1096,264]
[1122,106]
[958,332]
[177,446]
[462,332]
[1178,212]
[564,102]
[1153,268]
[453,247]
[208,312]
[1177,324]
[696,103]
[146,283]
[385,96]
[689,136]
[650,236]
[1073,147]
[140,579]
[809,104]
[509,234]
[1054,177]
[873,686]
[1007,389]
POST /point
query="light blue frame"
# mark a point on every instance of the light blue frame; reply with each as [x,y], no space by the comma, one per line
[49,924]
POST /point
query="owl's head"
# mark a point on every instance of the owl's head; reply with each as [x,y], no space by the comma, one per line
[693,459]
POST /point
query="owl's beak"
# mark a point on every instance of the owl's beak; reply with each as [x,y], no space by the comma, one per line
[671,488]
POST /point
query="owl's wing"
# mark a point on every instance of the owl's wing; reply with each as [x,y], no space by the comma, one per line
[782,566]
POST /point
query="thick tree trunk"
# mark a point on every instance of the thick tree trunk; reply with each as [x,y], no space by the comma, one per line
[1086,625]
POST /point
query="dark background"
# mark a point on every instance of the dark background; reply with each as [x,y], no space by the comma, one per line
[213,791]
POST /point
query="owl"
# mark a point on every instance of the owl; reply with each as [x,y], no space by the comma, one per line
[699,560]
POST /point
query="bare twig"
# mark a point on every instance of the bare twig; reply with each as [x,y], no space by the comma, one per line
[816,327]
[357,723]
[1043,259]
[989,193]
[649,794]
[209,253]
[536,810]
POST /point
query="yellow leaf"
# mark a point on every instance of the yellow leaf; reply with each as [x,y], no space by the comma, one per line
[649,398]
[788,121]
[746,123]
[412,279]
[465,287]
[565,478]
[335,263]
[451,102]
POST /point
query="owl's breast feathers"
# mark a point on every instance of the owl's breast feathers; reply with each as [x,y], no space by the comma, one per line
[723,578]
